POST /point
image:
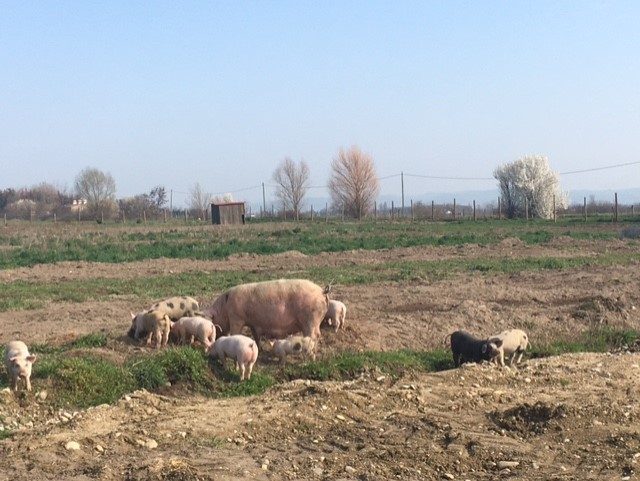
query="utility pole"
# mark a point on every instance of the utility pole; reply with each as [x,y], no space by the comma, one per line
[402,187]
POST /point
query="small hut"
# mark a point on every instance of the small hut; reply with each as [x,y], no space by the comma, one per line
[227,213]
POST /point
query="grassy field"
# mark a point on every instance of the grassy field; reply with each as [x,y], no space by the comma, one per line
[20,295]
[81,375]
[24,244]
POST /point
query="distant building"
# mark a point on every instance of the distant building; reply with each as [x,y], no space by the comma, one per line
[227,213]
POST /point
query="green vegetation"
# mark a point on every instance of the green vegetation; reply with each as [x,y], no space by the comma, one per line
[82,379]
[5,434]
[173,365]
[20,295]
[115,243]
[596,340]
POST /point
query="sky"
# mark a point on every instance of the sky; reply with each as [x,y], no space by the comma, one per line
[219,92]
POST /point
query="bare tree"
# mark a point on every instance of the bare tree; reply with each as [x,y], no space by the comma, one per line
[199,200]
[293,182]
[353,184]
[529,181]
[98,188]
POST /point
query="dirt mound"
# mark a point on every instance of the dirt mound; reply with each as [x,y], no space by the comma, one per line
[531,419]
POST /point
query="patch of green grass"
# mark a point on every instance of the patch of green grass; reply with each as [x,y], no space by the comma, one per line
[596,340]
[182,364]
[348,365]
[259,383]
[97,339]
[5,434]
[83,381]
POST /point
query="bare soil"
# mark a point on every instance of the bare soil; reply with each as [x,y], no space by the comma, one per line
[569,417]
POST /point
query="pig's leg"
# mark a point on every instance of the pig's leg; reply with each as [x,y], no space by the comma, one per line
[250,370]
[242,372]
[14,383]
[28,382]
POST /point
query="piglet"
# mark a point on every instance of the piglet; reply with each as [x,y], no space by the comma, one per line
[242,349]
[336,312]
[18,362]
[294,345]
[191,328]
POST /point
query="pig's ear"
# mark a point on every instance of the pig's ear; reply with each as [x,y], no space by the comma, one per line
[13,359]
[484,348]
[31,358]
[498,342]
[271,342]
[133,316]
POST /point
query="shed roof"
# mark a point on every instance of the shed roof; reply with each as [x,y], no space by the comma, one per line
[227,203]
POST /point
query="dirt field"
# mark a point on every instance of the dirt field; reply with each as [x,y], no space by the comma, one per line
[569,417]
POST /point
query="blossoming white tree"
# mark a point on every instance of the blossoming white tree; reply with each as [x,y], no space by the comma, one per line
[531,180]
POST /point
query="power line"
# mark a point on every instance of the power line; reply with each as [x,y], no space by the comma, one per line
[615,166]
[438,177]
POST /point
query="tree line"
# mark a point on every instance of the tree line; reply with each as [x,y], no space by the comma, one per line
[528,186]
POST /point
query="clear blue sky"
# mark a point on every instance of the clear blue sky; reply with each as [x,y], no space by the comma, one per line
[172,93]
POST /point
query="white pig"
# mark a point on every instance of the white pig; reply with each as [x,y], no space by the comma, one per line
[294,345]
[242,349]
[336,312]
[18,362]
[514,343]
[192,328]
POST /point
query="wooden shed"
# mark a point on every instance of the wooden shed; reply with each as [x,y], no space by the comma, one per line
[227,213]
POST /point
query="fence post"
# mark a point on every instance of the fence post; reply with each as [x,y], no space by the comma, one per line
[342,212]
[615,213]
[432,212]
[101,217]
[375,210]
[554,208]
[454,208]
[584,209]
[55,218]
[144,216]
[311,212]
[412,216]
[326,212]
[474,210]
[79,209]
[165,215]
[526,208]
[273,212]
[5,219]
[391,210]
[186,216]
[632,209]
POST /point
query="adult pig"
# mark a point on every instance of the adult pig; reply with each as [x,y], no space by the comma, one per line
[273,309]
